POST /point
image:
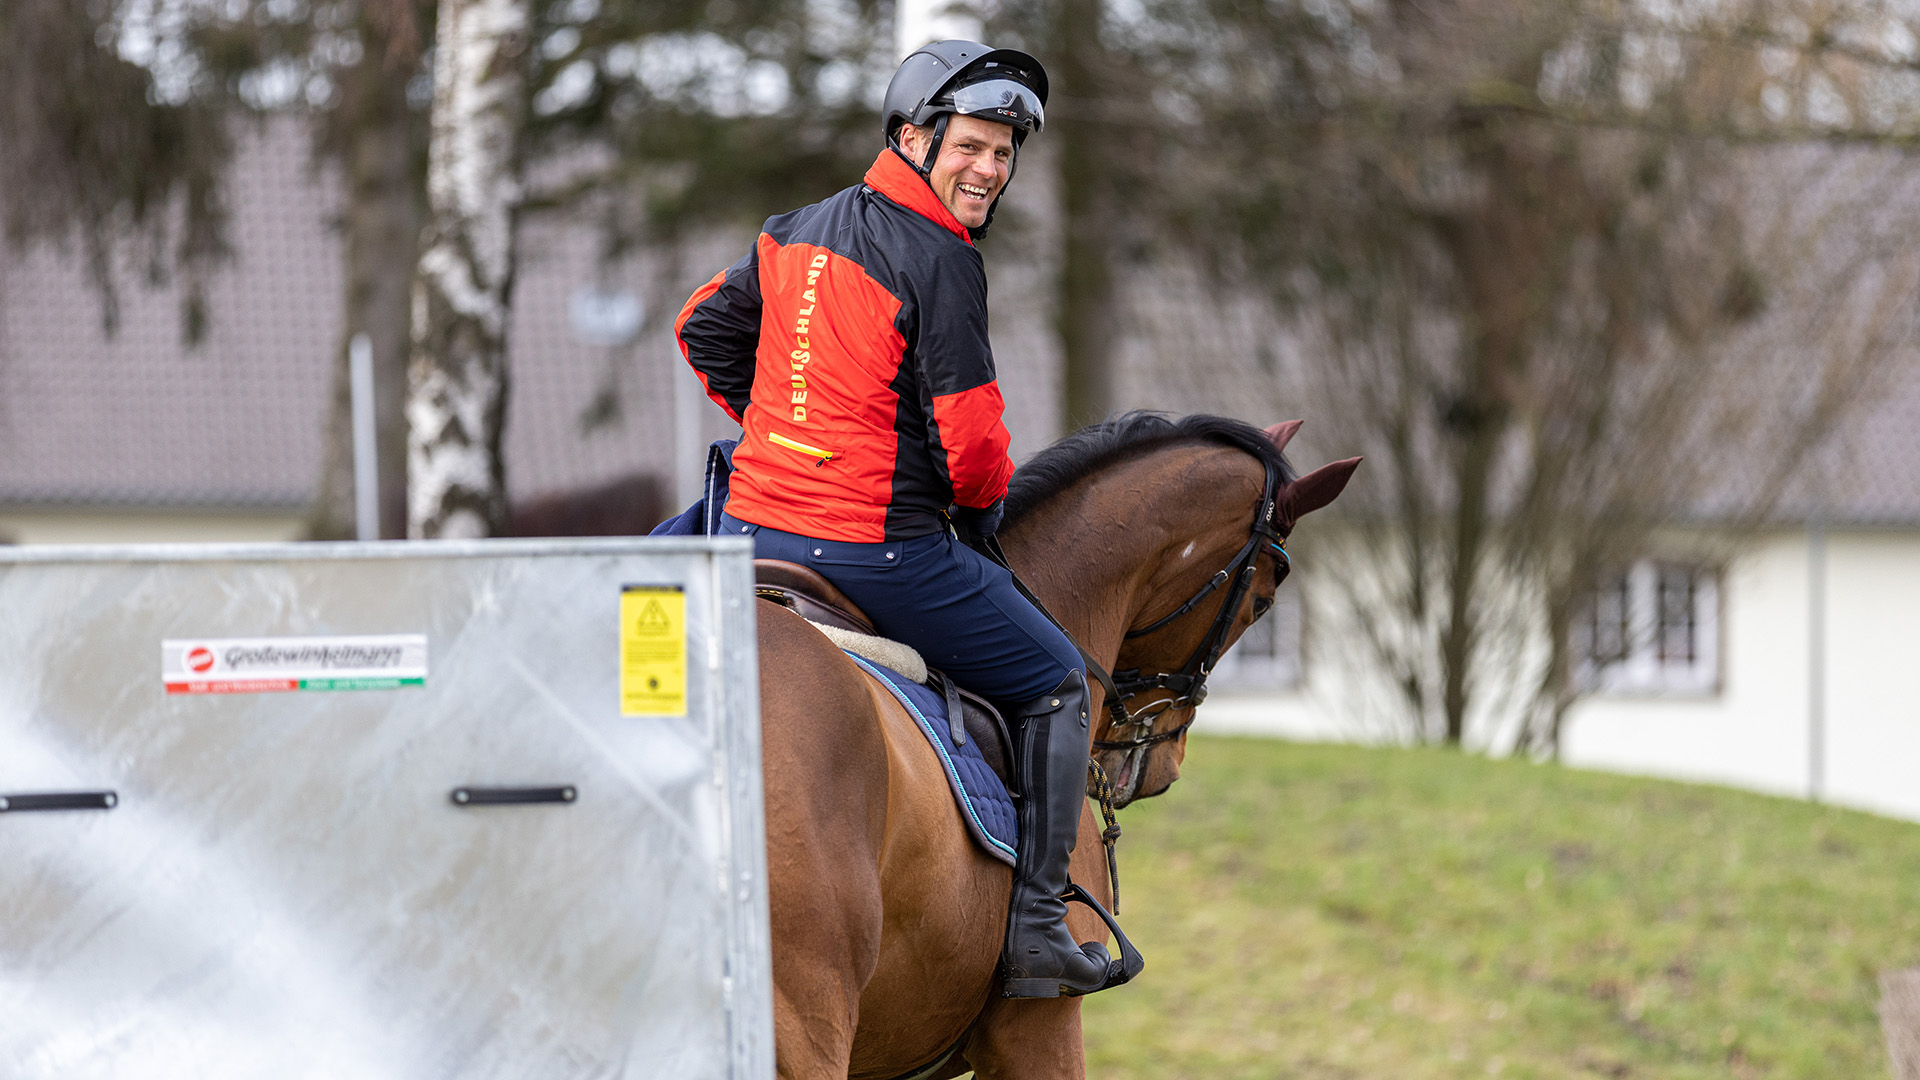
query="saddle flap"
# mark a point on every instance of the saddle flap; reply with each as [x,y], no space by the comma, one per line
[988,730]
[813,597]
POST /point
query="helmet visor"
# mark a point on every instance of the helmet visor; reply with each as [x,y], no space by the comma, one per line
[1003,101]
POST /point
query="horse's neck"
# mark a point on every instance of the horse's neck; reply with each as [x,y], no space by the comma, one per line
[1082,575]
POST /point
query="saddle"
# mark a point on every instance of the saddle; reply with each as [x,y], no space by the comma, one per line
[815,599]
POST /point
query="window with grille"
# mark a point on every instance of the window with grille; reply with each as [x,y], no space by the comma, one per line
[1267,656]
[1652,628]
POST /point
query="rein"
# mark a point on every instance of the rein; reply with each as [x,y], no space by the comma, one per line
[1189,684]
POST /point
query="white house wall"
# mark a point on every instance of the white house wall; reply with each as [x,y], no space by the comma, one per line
[108,526]
[1872,748]
[1753,733]
[1760,731]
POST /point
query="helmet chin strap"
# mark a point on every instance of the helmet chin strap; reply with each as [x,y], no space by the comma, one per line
[933,148]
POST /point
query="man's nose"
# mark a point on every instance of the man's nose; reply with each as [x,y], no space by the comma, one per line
[989,170]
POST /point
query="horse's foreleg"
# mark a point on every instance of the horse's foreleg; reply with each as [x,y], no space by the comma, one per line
[1027,1039]
[826,795]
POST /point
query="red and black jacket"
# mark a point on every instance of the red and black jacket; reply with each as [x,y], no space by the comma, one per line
[851,344]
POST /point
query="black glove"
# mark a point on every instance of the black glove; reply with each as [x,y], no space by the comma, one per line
[983,522]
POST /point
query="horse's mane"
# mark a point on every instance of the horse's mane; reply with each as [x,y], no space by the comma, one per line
[1123,438]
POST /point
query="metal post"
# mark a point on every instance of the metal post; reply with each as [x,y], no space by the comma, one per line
[689,452]
[1816,655]
[366,450]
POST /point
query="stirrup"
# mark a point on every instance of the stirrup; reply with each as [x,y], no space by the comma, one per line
[1119,971]
[1130,962]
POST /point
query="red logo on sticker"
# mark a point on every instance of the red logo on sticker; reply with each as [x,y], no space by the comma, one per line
[200,658]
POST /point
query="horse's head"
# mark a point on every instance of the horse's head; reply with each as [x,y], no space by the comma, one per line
[1228,507]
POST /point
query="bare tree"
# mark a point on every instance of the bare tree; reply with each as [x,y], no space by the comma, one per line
[1521,242]
[95,147]
[1084,70]
[1102,145]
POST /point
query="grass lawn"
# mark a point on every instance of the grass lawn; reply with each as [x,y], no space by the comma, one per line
[1324,911]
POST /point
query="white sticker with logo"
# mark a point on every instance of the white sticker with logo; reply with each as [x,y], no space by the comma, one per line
[279,664]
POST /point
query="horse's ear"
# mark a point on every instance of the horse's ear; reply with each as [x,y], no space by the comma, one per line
[1283,432]
[1315,490]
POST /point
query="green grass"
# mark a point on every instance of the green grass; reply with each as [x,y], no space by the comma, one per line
[1323,911]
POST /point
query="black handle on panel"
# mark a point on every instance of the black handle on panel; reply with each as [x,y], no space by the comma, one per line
[58,800]
[510,796]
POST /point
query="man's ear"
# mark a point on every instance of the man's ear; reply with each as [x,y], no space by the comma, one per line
[913,140]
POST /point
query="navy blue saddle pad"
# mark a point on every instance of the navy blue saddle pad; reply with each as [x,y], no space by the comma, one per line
[984,803]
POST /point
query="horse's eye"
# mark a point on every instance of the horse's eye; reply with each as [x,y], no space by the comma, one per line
[1262,605]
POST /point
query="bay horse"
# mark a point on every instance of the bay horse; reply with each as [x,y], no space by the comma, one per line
[887,921]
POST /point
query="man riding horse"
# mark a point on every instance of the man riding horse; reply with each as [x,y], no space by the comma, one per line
[851,345]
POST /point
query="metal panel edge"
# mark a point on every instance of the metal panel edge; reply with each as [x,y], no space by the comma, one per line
[749,949]
[376,549]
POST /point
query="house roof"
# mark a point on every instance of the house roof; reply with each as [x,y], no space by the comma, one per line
[1872,475]
[138,419]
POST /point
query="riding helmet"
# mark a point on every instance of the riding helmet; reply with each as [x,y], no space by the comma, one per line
[966,77]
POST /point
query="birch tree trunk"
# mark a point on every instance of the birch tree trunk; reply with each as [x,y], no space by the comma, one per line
[457,378]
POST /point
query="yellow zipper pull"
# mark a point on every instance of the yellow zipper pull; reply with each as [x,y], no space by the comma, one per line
[778,439]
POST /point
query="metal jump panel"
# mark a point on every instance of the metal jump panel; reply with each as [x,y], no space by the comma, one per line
[395,810]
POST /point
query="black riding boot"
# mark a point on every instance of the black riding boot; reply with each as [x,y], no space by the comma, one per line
[1041,959]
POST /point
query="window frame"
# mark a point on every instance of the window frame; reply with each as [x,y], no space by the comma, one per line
[1635,665]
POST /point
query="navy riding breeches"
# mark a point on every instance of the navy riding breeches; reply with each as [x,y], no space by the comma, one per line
[958,608]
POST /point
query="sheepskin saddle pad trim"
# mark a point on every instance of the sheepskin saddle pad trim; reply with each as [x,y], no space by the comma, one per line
[886,652]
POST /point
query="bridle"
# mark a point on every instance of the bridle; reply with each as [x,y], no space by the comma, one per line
[1189,683]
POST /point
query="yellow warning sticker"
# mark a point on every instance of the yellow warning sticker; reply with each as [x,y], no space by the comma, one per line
[653,650]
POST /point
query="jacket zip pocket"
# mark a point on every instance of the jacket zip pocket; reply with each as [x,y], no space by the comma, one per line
[778,439]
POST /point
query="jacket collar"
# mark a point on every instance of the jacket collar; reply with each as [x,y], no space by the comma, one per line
[893,177]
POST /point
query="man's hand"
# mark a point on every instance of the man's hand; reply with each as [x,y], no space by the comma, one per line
[983,522]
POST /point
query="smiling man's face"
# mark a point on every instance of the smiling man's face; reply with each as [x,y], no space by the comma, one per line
[974,160]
